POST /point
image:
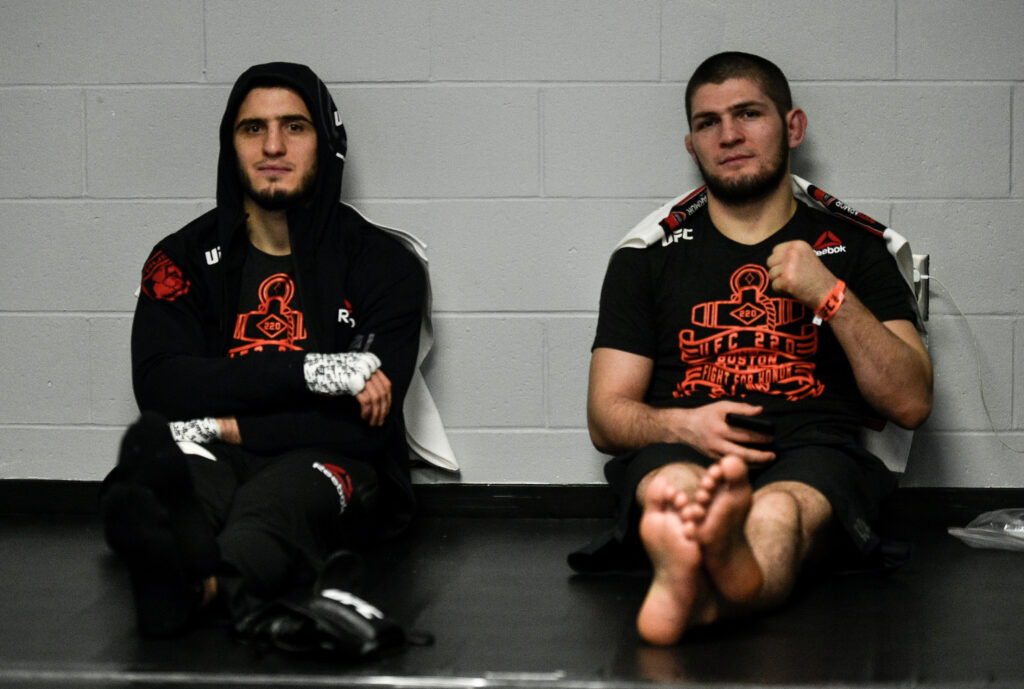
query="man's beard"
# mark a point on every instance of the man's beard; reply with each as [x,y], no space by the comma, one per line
[280,199]
[751,188]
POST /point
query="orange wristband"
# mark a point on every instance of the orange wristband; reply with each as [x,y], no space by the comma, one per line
[831,304]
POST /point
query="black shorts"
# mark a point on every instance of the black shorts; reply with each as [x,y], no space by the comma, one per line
[854,482]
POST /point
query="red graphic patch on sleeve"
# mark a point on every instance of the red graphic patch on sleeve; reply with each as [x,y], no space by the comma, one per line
[161,279]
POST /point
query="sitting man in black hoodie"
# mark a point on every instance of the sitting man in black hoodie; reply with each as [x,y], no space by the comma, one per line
[274,340]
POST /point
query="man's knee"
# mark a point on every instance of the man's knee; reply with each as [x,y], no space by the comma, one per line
[354,485]
[800,506]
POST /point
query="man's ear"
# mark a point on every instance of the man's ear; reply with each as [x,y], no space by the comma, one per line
[796,126]
[689,147]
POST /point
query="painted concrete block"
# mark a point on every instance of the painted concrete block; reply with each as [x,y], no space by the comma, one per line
[966,460]
[1018,141]
[488,371]
[948,39]
[807,40]
[622,141]
[440,142]
[520,189]
[64,453]
[976,249]
[568,350]
[907,140]
[81,256]
[43,149]
[153,142]
[356,40]
[101,42]
[517,254]
[960,349]
[111,401]
[543,41]
[45,369]
[1018,375]
[547,457]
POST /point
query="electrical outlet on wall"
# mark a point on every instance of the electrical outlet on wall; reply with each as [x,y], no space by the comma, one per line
[921,262]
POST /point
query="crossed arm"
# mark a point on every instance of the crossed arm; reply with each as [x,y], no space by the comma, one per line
[267,400]
[374,406]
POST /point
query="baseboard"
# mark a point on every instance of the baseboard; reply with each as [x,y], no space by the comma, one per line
[930,506]
[43,496]
[38,496]
[950,506]
[514,500]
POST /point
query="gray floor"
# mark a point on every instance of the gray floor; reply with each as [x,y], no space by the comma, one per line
[506,611]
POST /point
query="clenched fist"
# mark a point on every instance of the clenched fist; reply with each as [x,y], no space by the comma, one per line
[795,269]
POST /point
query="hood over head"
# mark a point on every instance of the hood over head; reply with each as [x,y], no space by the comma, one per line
[331,146]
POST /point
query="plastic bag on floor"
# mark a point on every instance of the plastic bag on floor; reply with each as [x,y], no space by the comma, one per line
[1002,529]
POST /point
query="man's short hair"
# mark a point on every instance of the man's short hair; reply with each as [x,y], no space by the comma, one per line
[735,65]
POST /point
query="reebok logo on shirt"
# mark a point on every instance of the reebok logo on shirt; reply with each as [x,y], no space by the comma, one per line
[828,243]
[346,315]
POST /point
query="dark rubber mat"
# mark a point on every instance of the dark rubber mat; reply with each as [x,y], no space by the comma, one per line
[506,611]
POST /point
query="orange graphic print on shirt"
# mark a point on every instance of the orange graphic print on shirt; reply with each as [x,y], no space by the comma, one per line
[749,343]
[274,325]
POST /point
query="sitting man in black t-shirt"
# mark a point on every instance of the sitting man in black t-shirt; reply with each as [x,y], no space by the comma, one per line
[759,310]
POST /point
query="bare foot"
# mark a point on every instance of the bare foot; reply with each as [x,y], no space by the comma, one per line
[676,558]
[718,514]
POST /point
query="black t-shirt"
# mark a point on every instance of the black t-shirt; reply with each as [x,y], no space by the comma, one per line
[269,312]
[702,308]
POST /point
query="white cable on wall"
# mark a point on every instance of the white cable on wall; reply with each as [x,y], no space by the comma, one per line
[977,361]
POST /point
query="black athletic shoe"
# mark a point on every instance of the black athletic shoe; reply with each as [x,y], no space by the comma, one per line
[343,570]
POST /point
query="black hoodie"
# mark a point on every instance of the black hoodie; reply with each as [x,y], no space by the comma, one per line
[185,316]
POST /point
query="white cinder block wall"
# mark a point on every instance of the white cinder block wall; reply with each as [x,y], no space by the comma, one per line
[520,140]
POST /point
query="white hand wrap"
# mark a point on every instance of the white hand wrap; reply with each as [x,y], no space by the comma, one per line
[202,431]
[342,373]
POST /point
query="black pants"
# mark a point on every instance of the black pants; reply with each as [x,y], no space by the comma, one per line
[277,518]
[274,519]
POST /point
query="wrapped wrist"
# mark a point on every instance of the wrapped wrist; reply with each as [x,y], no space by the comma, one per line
[340,373]
[202,431]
